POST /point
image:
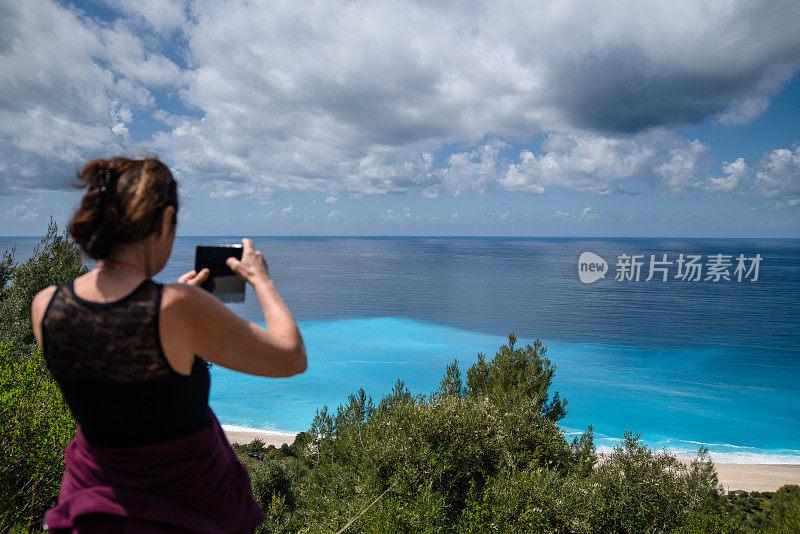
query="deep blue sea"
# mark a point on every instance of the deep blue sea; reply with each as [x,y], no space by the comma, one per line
[685,363]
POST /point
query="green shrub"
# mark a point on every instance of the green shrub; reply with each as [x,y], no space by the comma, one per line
[641,490]
[487,456]
[55,260]
[767,511]
[785,516]
[35,428]
[35,423]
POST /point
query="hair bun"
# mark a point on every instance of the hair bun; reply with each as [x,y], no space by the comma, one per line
[123,203]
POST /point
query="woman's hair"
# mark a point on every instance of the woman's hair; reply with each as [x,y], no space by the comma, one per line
[124,203]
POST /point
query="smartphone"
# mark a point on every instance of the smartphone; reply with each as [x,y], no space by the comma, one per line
[222,282]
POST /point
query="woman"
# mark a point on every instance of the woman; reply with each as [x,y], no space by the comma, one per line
[148,454]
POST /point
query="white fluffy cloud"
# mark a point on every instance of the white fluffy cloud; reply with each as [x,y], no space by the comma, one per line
[362,97]
[737,179]
[68,87]
[582,162]
[164,16]
[685,163]
[780,174]
[357,97]
[473,171]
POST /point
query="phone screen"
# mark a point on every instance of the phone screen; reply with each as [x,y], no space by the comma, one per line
[222,282]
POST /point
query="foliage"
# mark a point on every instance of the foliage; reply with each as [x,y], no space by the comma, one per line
[785,516]
[487,456]
[515,375]
[55,260]
[35,423]
[777,512]
[35,427]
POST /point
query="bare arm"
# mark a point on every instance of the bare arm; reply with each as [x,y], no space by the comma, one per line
[38,307]
[196,323]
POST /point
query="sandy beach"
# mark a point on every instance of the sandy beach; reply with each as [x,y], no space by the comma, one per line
[757,477]
[747,477]
[241,437]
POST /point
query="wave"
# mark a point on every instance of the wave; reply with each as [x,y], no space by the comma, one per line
[718,452]
[262,431]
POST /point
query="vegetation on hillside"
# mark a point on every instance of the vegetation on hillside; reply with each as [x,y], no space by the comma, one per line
[35,423]
[485,456]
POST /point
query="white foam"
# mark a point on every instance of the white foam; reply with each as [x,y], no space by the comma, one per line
[721,455]
[261,431]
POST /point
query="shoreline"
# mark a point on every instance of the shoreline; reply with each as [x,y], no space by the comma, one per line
[756,477]
[243,436]
[732,476]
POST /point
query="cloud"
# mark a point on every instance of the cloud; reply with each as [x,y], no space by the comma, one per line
[743,112]
[164,16]
[790,203]
[680,172]
[737,179]
[358,97]
[472,171]
[334,215]
[401,216]
[591,163]
[363,97]
[69,87]
[28,210]
[287,210]
[780,174]
[588,215]
[331,200]
[230,189]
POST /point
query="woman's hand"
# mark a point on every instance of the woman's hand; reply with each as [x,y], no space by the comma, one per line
[201,325]
[252,267]
[193,278]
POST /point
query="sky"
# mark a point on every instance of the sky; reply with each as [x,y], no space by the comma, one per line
[567,118]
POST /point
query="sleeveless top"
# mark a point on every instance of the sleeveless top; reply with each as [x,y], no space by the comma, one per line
[108,361]
[147,448]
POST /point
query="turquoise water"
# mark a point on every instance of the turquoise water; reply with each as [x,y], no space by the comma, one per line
[702,401]
[683,363]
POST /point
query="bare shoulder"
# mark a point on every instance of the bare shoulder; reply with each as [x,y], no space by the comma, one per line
[178,295]
[40,301]
[189,300]
[194,322]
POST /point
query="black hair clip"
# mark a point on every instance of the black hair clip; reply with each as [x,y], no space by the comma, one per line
[106,185]
[106,182]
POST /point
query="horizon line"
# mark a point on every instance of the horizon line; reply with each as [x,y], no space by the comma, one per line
[444,236]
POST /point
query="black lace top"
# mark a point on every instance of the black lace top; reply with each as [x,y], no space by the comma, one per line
[108,361]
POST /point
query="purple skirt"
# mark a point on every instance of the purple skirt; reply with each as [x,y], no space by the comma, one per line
[194,483]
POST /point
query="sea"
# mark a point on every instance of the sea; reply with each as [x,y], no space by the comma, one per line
[687,342]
